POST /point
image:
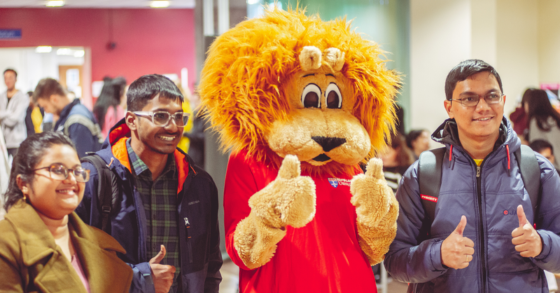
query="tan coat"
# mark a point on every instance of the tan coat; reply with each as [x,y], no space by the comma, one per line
[30,261]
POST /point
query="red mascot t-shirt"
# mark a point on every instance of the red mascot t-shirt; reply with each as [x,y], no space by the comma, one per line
[323,256]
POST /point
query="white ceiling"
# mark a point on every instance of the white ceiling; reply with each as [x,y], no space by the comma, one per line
[96,3]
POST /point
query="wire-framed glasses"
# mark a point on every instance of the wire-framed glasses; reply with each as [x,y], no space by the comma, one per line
[162,118]
[57,171]
[471,100]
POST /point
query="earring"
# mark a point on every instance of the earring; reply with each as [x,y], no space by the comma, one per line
[24,198]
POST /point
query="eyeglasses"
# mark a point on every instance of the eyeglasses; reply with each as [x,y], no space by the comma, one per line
[58,171]
[471,100]
[162,118]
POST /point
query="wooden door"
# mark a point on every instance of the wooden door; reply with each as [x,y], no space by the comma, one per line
[70,77]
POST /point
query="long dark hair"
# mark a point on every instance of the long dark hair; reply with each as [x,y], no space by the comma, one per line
[540,108]
[30,153]
[110,96]
[405,156]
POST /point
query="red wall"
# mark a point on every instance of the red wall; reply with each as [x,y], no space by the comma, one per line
[147,40]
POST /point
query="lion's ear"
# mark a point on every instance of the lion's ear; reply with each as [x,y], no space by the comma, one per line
[310,58]
[334,58]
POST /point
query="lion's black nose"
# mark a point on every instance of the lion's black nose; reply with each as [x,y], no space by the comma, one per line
[329,143]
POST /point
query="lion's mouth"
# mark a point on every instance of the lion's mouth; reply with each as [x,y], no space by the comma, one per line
[321,158]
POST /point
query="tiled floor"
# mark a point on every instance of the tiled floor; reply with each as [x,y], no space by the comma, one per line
[230,280]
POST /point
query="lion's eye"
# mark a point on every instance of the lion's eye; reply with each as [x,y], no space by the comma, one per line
[334,98]
[311,96]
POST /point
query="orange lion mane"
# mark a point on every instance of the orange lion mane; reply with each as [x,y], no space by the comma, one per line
[241,81]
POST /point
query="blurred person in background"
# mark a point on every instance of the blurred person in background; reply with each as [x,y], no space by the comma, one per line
[13,104]
[418,141]
[544,148]
[396,160]
[74,119]
[4,173]
[196,133]
[33,117]
[108,109]
[45,246]
[543,119]
[185,142]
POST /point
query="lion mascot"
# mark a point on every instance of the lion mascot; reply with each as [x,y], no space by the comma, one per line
[301,103]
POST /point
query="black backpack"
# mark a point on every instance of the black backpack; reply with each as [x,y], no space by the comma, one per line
[429,180]
[108,193]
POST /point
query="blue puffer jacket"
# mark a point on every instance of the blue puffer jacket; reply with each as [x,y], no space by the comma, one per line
[491,218]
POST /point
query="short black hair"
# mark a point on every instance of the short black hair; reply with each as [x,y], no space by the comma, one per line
[538,145]
[412,136]
[47,87]
[147,87]
[12,70]
[465,69]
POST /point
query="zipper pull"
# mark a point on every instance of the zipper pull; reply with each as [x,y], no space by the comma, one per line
[187,224]
[477,171]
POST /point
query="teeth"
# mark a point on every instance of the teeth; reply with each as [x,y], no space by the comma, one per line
[483,119]
[67,191]
[167,138]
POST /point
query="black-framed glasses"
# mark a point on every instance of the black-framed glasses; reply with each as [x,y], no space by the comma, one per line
[471,100]
[57,171]
[162,118]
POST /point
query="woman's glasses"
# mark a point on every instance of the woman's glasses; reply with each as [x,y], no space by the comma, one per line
[58,171]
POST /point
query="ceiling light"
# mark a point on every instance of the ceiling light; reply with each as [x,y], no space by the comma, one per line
[79,53]
[159,4]
[55,3]
[251,2]
[43,49]
[64,51]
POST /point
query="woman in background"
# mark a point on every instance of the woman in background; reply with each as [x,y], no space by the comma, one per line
[44,246]
[396,160]
[108,109]
[543,119]
[418,141]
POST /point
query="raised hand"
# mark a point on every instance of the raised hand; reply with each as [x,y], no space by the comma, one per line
[377,210]
[457,251]
[162,275]
[525,238]
[289,199]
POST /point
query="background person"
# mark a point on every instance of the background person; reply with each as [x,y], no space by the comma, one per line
[13,104]
[544,120]
[44,246]
[418,140]
[74,119]
[544,148]
[108,108]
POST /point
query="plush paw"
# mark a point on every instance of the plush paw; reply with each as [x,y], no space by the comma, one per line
[289,199]
[370,194]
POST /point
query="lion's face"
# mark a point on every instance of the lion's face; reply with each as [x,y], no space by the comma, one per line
[321,128]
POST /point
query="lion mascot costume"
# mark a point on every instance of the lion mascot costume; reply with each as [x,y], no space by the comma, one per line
[301,103]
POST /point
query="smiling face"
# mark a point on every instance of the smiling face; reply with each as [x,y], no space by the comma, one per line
[480,122]
[321,128]
[157,139]
[50,197]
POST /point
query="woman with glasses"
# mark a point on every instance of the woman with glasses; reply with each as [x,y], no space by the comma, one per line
[44,246]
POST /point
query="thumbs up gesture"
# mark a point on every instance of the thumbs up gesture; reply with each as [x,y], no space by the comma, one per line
[289,199]
[457,251]
[525,238]
[162,275]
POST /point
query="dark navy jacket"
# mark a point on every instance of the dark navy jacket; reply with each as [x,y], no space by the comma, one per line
[200,254]
[491,218]
[78,123]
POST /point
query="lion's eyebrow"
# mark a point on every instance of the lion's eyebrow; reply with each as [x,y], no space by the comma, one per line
[329,74]
[310,74]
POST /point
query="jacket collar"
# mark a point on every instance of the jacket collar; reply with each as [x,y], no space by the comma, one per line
[65,112]
[95,249]
[116,142]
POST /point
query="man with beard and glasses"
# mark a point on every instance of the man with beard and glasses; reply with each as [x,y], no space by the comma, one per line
[166,216]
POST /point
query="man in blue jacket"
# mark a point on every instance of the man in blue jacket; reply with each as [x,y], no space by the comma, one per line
[482,237]
[75,120]
[167,212]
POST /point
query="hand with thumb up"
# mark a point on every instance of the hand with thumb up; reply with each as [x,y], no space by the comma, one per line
[525,238]
[162,275]
[457,251]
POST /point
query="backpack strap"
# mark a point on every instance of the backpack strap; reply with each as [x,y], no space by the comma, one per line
[530,174]
[105,196]
[429,179]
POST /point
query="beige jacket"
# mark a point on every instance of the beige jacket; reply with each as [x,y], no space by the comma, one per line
[30,261]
